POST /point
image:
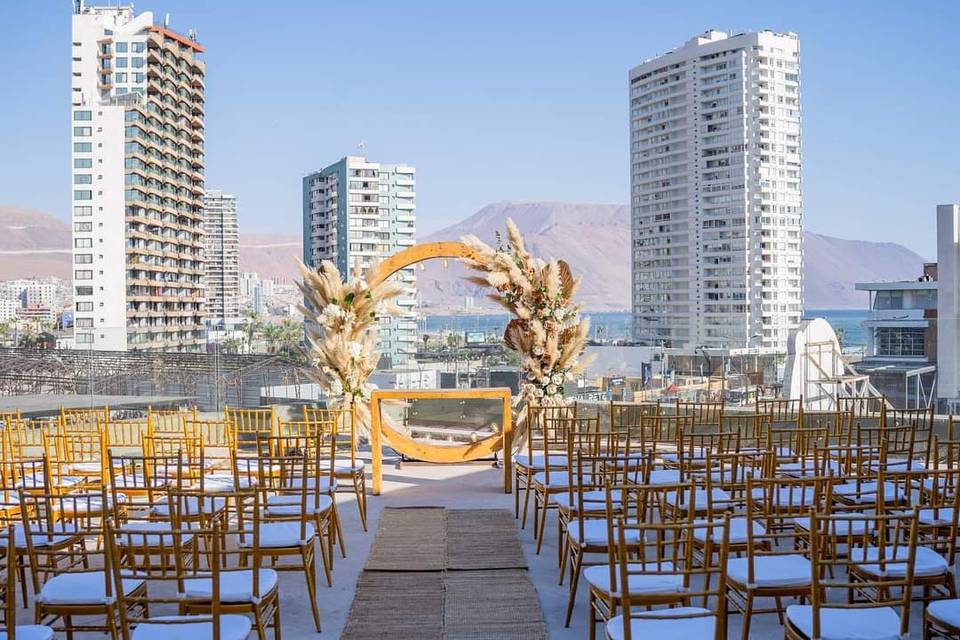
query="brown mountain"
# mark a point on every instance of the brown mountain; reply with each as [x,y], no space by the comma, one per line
[593,238]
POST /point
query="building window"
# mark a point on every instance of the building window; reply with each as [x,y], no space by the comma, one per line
[84,306]
[85,291]
[82,147]
[82,131]
[83,243]
[138,47]
[83,258]
[83,178]
[82,115]
[119,77]
[136,63]
[121,47]
[83,211]
[84,338]
[83,195]
[138,77]
[83,274]
[83,226]
[121,63]
[84,323]
[900,342]
[888,300]
[83,163]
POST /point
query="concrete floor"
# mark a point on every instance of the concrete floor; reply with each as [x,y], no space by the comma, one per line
[473,485]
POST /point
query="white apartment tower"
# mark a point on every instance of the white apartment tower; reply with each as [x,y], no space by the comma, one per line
[717,213]
[222,257]
[137,117]
[355,211]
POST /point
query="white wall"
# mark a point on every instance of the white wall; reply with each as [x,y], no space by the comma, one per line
[948,298]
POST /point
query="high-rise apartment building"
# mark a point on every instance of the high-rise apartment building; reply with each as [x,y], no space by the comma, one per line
[717,213]
[222,256]
[137,112]
[355,211]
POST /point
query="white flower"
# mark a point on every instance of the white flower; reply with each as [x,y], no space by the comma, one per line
[546,312]
[332,311]
[552,389]
[538,392]
[538,350]
[569,375]
[559,314]
[531,376]
[557,379]
[355,348]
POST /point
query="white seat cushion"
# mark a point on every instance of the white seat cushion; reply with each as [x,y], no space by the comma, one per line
[946,611]
[30,632]
[661,580]
[523,460]
[595,533]
[81,588]
[738,531]
[235,586]
[281,534]
[839,527]
[280,509]
[941,516]
[697,453]
[786,496]
[866,492]
[93,504]
[805,468]
[62,533]
[192,506]
[771,571]
[344,466]
[232,627]
[223,482]
[881,623]
[661,477]
[595,500]
[928,562]
[137,534]
[558,479]
[85,468]
[899,464]
[699,498]
[676,627]
[39,482]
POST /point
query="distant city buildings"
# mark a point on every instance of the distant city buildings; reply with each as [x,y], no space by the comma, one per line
[716,192]
[138,171]
[354,212]
[222,256]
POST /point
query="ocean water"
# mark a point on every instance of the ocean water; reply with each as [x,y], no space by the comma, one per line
[616,325]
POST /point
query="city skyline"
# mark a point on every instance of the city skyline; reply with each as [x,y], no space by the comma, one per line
[863,179]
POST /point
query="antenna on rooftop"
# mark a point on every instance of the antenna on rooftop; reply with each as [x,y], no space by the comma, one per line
[166,21]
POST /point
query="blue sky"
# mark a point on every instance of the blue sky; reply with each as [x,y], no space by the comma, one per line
[508,100]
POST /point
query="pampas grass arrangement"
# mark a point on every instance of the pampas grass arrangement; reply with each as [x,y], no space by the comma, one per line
[547,330]
[341,332]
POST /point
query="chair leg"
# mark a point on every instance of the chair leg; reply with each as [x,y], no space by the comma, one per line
[335,514]
[526,501]
[574,581]
[747,615]
[258,623]
[516,493]
[310,574]
[563,560]
[542,524]
[359,489]
[592,621]
[326,558]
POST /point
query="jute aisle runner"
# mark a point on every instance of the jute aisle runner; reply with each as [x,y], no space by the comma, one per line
[445,574]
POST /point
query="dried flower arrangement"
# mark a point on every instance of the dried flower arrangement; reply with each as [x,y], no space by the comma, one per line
[547,330]
[342,331]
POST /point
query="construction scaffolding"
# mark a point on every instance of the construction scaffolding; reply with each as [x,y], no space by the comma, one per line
[214,380]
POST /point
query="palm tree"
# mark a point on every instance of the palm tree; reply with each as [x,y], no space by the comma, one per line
[253,326]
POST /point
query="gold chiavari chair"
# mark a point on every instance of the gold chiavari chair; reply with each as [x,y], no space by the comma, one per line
[82,454]
[249,423]
[349,468]
[32,437]
[795,451]
[836,424]
[627,414]
[246,586]
[125,434]
[665,569]
[8,418]
[562,435]
[840,545]
[70,573]
[705,414]
[858,486]
[781,411]
[694,446]
[14,475]
[901,449]
[773,567]
[287,530]
[134,607]
[169,420]
[530,461]
[9,629]
[219,441]
[941,619]
[752,427]
[865,410]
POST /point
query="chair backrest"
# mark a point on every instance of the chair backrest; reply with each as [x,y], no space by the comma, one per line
[774,506]
[178,545]
[148,477]
[125,433]
[624,414]
[781,411]
[866,410]
[662,433]
[752,427]
[251,422]
[729,472]
[704,413]
[836,424]
[840,546]
[665,551]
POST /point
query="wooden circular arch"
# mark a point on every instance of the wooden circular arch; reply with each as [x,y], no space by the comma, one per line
[400,442]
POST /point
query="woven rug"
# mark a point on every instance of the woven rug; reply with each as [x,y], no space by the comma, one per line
[454,574]
[483,539]
[409,539]
[396,605]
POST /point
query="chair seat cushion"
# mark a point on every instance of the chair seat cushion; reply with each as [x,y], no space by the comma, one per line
[558,479]
[942,516]
[595,500]
[524,460]
[40,482]
[235,586]
[281,534]
[279,509]
[694,454]
[322,484]
[81,588]
[878,623]
[681,623]
[661,579]
[595,533]
[866,492]
[945,611]
[928,562]
[738,532]
[223,482]
[898,465]
[805,468]
[141,534]
[93,504]
[30,632]
[771,571]
[785,496]
[344,466]
[85,468]
[192,506]
[839,527]
[661,477]
[232,627]
[59,533]
[700,497]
